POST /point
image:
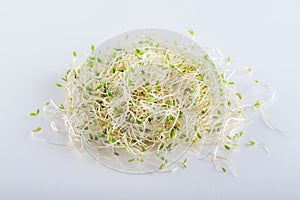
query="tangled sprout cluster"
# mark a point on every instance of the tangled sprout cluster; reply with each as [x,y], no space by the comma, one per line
[141,100]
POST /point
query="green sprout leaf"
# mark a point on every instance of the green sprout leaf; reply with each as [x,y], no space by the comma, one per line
[36,113]
[74,54]
[227,147]
[131,160]
[229,103]
[138,121]
[139,52]
[240,134]
[215,117]
[223,169]
[38,129]
[192,32]
[92,48]
[228,59]
[130,69]
[111,139]
[168,103]
[239,95]
[184,164]
[99,60]
[162,166]
[199,136]
[181,115]
[257,104]
[58,85]
[222,75]
[251,143]
[172,133]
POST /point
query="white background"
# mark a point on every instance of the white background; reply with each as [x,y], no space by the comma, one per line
[37,39]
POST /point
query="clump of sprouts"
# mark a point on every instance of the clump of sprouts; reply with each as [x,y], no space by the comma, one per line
[138,103]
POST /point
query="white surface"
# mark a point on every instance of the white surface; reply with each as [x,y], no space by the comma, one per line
[36,41]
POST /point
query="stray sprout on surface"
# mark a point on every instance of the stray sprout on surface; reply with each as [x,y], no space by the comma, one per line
[254,144]
[139,106]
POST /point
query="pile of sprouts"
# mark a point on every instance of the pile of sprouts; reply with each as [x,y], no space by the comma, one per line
[140,101]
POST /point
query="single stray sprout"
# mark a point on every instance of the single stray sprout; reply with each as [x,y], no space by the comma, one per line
[74,54]
[47,103]
[58,85]
[38,129]
[253,144]
[249,69]
[36,113]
